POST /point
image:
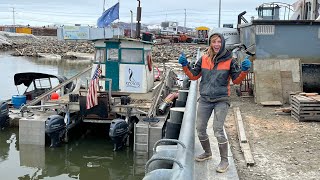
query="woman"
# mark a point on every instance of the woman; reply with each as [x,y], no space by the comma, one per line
[216,68]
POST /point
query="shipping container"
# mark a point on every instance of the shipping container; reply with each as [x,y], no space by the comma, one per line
[10,29]
[44,31]
[23,30]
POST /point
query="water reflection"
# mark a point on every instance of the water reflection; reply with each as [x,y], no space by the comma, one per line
[89,157]
[5,139]
[10,65]
[86,158]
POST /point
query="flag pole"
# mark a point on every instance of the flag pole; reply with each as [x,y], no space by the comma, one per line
[119,21]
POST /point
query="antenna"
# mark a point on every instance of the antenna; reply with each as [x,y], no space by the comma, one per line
[13,18]
[219,13]
[104,4]
[185,20]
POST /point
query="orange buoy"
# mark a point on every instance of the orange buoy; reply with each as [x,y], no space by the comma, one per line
[54,96]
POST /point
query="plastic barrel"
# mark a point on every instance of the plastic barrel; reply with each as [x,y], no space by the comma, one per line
[18,100]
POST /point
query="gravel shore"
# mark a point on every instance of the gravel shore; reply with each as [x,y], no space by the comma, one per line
[30,45]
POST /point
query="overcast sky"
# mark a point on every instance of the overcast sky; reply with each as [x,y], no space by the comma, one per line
[86,12]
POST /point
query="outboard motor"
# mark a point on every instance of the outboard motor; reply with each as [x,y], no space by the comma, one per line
[4,114]
[55,128]
[118,133]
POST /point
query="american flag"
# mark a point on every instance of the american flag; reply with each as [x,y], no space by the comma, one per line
[92,97]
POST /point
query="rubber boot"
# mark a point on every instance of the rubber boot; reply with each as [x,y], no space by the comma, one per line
[207,151]
[224,164]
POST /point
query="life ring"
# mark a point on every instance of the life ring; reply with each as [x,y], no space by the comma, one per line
[149,61]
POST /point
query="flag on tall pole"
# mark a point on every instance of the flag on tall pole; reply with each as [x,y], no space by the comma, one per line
[108,16]
[92,95]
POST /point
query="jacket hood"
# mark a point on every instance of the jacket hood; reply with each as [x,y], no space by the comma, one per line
[223,53]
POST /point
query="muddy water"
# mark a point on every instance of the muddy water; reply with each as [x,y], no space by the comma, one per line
[89,153]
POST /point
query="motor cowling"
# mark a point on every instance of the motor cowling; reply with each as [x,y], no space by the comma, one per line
[55,128]
[4,114]
[118,133]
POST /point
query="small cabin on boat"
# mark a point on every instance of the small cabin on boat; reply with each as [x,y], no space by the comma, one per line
[126,65]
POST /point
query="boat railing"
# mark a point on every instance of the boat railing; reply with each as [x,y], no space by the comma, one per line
[43,96]
[109,80]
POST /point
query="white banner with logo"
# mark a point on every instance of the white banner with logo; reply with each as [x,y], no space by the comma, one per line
[132,78]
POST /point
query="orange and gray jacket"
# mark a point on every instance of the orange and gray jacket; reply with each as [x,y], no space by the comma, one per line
[216,74]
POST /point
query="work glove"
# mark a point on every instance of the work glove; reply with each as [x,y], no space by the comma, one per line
[183,60]
[246,64]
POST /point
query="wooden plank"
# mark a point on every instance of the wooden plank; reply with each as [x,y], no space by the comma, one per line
[312,113]
[271,103]
[306,109]
[240,125]
[305,105]
[304,99]
[286,109]
[294,116]
[282,113]
[309,105]
[309,110]
[300,118]
[317,98]
[245,147]
[308,94]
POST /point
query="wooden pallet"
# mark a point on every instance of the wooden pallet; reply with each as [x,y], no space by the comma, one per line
[305,108]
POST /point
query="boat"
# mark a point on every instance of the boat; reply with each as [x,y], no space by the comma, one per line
[39,87]
[39,83]
[34,84]
[129,93]
[128,97]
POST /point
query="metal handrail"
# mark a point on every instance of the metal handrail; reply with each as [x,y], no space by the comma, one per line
[183,163]
[161,158]
[187,136]
[167,140]
[38,99]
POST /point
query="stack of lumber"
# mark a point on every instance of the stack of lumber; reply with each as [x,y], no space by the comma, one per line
[305,107]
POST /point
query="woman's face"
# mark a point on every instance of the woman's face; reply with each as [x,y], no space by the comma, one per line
[215,44]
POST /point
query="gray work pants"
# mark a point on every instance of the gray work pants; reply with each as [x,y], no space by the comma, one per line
[203,114]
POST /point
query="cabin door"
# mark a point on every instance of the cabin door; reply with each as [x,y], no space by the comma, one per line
[112,65]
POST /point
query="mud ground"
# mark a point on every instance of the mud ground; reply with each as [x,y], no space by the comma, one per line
[282,147]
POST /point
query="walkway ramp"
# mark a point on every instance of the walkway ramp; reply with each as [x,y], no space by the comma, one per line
[206,170]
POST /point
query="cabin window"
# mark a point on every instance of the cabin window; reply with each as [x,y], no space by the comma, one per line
[42,83]
[267,12]
[54,82]
[112,54]
[30,88]
[100,55]
[132,56]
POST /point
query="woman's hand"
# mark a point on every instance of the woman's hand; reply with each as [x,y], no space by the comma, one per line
[246,64]
[183,60]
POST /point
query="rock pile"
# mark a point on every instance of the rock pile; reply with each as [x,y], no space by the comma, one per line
[29,45]
[171,52]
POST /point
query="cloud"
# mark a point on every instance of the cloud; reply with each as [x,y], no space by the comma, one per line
[198,13]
